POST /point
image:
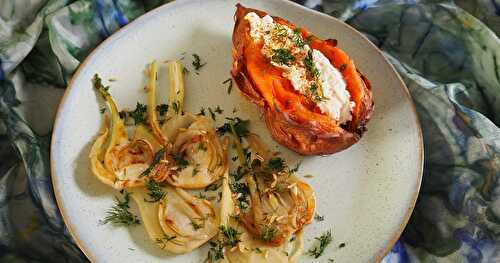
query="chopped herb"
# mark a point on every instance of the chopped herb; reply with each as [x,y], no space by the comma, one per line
[196,170]
[242,191]
[342,67]
[234,158]
[162,109]
[295,169]
[330,260]
[197,62]
[202,111]
[293,238]
[230,236]
[239,173]
[180,161]
[102,110]
[342,245]
[216,251]
[195,225]
[212,114]
[185,70]
[240,127]
[297,38]
[258,250]
[202,147]
[230,85]
[282,56]
[280,31]
[123,114]
[156,193]
[276,164]
[119,214]
[103,90]
[319,218]
[315,93]
[165,239]
[202,196]
[218,110]
[176,107]
[157,158]
[324,241]
[310,66]
[235,110]
[268,233]
[139,114]
[214,186]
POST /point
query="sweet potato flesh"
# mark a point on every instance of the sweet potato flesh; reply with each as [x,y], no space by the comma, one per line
[293,119]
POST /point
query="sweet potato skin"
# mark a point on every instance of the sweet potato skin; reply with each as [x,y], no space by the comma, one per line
[293,120]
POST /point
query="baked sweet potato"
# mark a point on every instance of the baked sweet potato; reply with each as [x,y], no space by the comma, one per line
[294,119]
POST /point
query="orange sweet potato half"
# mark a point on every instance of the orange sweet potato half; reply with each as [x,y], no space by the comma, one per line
[293,119]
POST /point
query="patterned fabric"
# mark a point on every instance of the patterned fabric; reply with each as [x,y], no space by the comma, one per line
[447,52]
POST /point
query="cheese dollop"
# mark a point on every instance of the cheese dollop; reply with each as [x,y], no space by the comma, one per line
[327,88]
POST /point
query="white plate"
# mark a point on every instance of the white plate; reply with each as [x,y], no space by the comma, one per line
[365,193]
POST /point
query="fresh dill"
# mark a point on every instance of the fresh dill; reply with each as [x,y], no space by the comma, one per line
[268,233]
[324,240]
[218,110]
[276,164]
[216,252]
[258,250]
[242,192]
[202,112]
[318,217]
[213,186]
[102,110]
[295,168]
[103,90]
[162,109]
[195,225]
[196,170]
[310,66]
[180,161]
[282,56]
[342,245]
[230,236]
[155,193]
[229,86]
[165,239]
[315,93]
[297,37]
[240,127]
[119,214]
[239,173]
[157,158]
[197,64]
[139,114]
[176,107]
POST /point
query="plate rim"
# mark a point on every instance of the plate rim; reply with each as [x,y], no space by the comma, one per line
[177,3]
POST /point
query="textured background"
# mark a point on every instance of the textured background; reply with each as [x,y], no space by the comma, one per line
[446,51]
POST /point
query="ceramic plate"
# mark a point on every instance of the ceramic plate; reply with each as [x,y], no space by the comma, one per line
[366,193]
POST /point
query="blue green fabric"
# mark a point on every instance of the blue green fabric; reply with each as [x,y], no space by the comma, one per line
[447,52]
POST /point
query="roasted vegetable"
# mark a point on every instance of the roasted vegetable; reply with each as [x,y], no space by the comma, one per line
[194,156]
[297,118]
[178,223]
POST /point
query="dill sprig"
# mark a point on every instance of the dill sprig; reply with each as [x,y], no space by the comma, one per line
[230,236]
[157,158]
[216,252]
[282,56]
[268,233]
[197,62]
[230,85]
[119,214]
[103,90]
[297,37]
[165,239]
[180,161]
[240,127]
[310,66]
[162,109]
[156,193]
[324,240]
[276,164]
[318,217]
[139,114]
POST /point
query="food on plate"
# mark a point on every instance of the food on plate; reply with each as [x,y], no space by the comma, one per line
[189,191]
[315,101]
